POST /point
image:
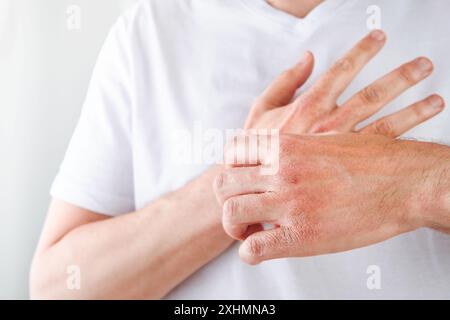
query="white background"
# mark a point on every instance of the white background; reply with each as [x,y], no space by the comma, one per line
[44,72]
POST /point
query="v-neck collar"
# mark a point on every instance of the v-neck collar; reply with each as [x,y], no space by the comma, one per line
[290,22]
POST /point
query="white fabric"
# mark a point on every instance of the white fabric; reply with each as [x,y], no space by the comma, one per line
[178,64]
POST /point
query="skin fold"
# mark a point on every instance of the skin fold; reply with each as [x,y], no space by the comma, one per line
[174,236]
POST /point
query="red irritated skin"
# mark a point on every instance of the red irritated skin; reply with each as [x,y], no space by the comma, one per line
[324,177]
[334,193]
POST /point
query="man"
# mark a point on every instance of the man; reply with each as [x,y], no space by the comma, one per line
[139,224]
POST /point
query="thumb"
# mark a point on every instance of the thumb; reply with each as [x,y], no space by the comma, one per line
[266,245]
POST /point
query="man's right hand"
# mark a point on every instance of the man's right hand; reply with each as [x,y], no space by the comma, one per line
[316,111]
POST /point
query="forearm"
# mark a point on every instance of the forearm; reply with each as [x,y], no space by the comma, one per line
[141,255]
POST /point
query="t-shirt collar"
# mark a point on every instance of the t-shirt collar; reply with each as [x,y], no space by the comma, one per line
[318,15]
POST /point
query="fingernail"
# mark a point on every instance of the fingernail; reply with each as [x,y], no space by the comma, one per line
[436,102]
[378,35]
[424,64]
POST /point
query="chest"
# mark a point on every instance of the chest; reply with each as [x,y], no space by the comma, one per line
[182,118]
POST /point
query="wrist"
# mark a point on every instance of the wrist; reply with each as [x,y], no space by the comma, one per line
[198,196]
[196,209]
[440,182]
[433,186]
[208,208]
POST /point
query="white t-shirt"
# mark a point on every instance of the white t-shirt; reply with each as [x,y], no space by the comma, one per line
[195,65]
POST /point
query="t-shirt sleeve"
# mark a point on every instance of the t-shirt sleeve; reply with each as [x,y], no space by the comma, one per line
[97,171]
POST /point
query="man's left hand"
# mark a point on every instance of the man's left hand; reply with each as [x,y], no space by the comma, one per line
[334,193]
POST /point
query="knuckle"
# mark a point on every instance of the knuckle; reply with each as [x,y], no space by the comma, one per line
[323,127]
[372,94]
[406,74]
[219,182]
[366,45]
[384,127]
[420,112]
[256,247]
[345,113]
[338,121]
[227,178]
[343,65]
[229,210]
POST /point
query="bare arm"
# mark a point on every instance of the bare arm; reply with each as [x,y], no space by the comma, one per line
[128,256]
[145,254]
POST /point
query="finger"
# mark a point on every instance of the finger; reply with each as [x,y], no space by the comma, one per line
[332,84]
[254,228]
[283,89]
[241,180]
[251,209]
[404,120]
[371,99]
[241,232]
[268,244]
[252,150]
[242,211]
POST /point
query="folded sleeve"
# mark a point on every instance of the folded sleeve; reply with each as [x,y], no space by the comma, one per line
[97,171]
